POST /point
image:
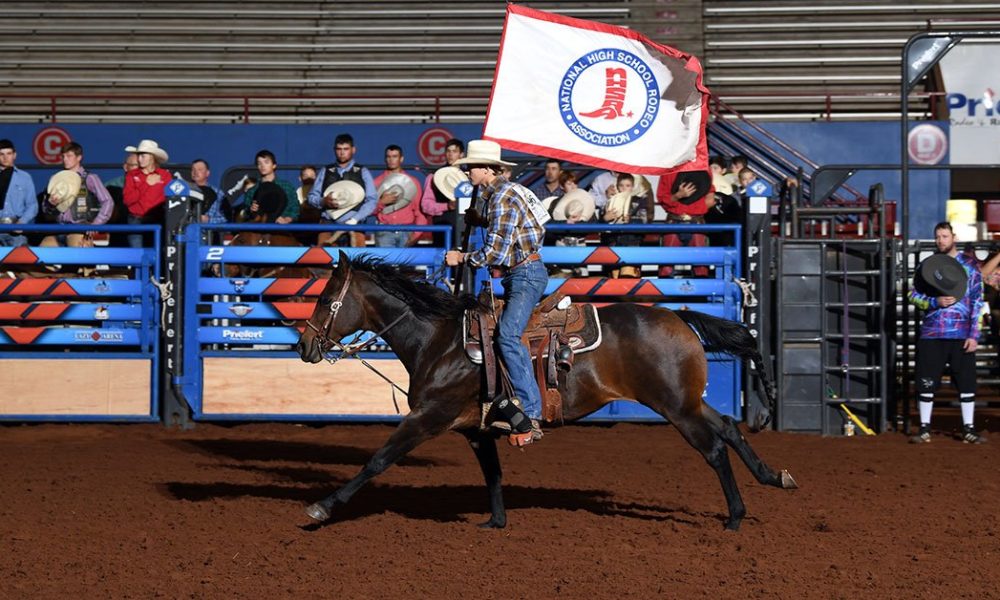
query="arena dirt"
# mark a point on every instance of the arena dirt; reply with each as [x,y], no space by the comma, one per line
[630,511]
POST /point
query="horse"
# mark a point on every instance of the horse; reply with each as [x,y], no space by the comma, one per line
[265,239]
[423,326]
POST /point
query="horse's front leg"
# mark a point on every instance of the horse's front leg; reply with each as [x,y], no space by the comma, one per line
[485,447]
[413,430]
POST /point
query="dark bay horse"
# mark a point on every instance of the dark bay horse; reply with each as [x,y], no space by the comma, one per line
[648,354]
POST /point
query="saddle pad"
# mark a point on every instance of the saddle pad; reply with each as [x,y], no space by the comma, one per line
[579,323]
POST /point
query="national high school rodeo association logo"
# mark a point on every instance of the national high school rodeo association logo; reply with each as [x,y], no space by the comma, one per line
[617,96]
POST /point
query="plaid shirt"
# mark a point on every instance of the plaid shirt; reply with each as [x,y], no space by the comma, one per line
[513,231]
[961,320]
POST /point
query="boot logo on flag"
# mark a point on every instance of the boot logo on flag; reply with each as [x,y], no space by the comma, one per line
[614,96]
[622,87]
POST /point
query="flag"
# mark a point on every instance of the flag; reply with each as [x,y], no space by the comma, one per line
[597,95]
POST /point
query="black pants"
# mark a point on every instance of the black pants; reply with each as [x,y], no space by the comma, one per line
[932,357]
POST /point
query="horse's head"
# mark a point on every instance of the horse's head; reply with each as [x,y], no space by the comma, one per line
[339,311]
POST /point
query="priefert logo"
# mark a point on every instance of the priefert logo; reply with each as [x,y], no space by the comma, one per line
[986,105]
[242,334]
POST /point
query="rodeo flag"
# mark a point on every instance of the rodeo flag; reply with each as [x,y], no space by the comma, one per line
[597,95]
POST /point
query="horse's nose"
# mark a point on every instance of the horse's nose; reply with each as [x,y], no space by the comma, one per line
[301,349]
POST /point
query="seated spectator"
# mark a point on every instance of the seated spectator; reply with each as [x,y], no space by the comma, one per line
[144,186]
[397,193]
[624,208]
[344,169]
[213,199]
[603,187]
[270,199]
[721,183]
[747,177]
[549,185]
[736,164]
[76,197]
[307,212]
[17,196]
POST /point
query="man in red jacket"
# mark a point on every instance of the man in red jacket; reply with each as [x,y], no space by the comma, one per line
[685,204]
[143,192]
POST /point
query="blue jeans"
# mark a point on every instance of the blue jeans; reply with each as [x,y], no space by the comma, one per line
[392,239]
[523,288]
[134,239]
[10,239]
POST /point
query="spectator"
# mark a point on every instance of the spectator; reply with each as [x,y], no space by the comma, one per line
[549,185]
[435,203]
[212,209]
[736,164]
[143,193]
[131,162]
[575,206]
[397,193]
[747,177]
[76,197]
[624,208]
[951,293]
[682,195]
[603,187]
[270,200]
[721,183]
[568,182]
[307,212]
[17,195]
[343,169]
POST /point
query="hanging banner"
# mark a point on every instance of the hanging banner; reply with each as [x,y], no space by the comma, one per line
[597,95]
[973,97]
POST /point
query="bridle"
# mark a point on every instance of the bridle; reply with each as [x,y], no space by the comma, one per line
[352,348]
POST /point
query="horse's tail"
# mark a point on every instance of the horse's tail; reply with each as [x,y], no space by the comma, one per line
[733,338]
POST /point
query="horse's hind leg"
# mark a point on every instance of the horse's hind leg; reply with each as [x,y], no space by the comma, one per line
[703,437]
[485,447]
[732,436]
[413,430]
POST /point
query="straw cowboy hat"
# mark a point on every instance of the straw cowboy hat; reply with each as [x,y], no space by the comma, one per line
[446,179]
[620,204]
[149,147]
[578,203]
[63,189]
[483,152]
[941,275]
[402,186]
[346,194]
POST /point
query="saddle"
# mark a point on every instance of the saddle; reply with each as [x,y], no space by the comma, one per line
[557,330]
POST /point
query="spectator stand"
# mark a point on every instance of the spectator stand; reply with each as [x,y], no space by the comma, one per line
[79,329]
[719,294]
[239,332]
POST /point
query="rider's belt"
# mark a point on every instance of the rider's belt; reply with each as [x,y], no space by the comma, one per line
[499,271]
[682,218]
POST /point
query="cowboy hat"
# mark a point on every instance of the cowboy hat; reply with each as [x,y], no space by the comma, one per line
[402,186]
[149,147]
[483,152]
[578,203]
[702,182]
[271,200]
[347,195]
[446,179]
[641,186]
[547,203]
[941,275]
[619,203]
[63,189]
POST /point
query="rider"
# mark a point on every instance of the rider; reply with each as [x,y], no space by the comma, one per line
[513,239]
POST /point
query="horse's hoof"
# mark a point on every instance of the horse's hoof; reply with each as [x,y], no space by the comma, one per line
[787,481]
[492,524]
[317,512]
[733,524]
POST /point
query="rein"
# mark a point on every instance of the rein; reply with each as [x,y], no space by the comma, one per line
[352,348]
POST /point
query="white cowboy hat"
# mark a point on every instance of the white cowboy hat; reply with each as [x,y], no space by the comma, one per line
[619,203]
[63,189]
[347,195]
[402,186]
[547,203]
[149,147]
[483,152]
[578,203]
[446,179]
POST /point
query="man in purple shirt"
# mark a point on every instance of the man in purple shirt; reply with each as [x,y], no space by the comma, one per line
[91,206]
[949,334]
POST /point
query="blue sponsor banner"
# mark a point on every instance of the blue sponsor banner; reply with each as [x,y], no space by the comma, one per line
[77,336]
[272,255]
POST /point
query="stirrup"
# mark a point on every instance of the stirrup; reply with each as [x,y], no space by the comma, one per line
[520,439]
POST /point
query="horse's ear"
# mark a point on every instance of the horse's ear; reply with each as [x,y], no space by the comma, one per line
[342,263]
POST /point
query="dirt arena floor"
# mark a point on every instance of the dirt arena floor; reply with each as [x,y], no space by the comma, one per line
[629,511]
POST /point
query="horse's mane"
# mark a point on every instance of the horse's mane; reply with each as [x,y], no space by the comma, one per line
[425,300]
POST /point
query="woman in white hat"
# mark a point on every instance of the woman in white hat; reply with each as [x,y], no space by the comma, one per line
[514,237]
[143,193]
